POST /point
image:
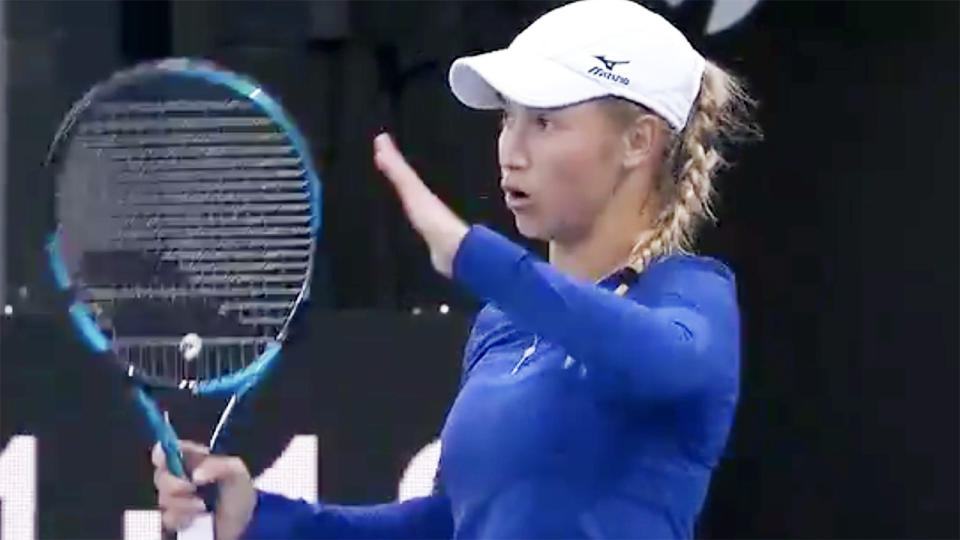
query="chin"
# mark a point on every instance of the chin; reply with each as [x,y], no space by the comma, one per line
[530,228]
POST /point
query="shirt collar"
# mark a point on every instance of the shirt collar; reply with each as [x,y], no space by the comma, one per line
[621,276]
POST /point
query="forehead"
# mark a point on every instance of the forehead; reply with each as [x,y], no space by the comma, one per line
[507,104]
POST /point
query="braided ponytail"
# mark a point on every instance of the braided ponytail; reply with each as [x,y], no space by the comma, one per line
[693,158]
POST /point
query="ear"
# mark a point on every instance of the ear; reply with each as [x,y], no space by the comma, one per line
[641,141]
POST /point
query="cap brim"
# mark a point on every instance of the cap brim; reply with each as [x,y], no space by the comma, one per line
[480,81]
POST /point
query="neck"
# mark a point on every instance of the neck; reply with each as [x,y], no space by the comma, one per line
[587,260]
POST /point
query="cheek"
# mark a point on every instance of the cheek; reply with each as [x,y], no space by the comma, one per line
[573,185]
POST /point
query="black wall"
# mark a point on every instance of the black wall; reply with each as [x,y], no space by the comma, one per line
[842,228]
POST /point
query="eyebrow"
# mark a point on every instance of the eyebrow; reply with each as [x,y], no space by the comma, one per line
[504,103]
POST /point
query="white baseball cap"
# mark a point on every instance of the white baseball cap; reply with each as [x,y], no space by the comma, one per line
[585,50]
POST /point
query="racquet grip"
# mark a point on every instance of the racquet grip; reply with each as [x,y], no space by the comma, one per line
[209,492]
[162,430]
[169,441]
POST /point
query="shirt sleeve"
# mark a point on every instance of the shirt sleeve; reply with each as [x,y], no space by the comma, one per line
[677,346]
[277,517]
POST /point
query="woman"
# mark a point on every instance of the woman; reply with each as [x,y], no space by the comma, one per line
[598,389]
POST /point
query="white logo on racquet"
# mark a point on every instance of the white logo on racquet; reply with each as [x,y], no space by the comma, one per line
[190,346]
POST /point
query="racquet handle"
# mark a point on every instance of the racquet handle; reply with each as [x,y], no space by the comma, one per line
[209,492]
[165,434]
[162,431]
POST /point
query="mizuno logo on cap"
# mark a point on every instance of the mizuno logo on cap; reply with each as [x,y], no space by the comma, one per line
[610,64]
[608,73]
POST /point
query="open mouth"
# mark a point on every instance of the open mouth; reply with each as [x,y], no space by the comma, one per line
[516,195]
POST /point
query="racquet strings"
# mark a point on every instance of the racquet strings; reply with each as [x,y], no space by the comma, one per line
[185,219]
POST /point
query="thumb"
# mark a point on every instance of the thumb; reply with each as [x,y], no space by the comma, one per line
[193,454]
[217,469]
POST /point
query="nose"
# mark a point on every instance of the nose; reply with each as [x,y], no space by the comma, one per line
[512,151]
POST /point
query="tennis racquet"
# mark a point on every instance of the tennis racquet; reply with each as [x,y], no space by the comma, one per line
[187,209]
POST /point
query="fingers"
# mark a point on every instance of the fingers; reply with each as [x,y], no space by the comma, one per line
[205,468]
[157,456]
[392,164]
[416,198]
[437,224]
[176,522]
[181,505]
[177,497]
[168,484]
[178,513]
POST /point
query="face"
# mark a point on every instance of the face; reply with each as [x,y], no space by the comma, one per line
[559,168]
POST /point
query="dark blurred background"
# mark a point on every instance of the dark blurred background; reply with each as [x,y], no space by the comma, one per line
[841,226]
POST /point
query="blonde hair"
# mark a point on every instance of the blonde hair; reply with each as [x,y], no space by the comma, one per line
[721,114]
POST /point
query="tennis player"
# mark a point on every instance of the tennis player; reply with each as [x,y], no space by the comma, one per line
[599,388]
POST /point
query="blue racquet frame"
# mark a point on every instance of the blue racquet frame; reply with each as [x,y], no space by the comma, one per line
[235,384]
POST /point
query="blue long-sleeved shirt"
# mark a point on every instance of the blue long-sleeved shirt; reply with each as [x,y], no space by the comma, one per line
[582,414]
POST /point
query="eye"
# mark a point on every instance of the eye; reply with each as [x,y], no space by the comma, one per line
[505,118]
[543,121]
